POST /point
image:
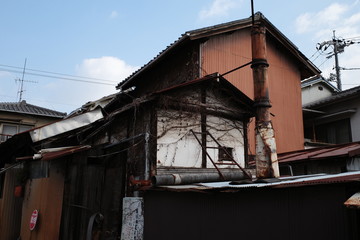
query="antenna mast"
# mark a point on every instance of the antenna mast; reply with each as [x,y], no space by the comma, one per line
[22,82]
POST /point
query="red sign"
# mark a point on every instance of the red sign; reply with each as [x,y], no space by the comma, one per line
[33,219]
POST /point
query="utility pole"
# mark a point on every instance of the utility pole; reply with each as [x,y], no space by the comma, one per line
[338,47]
[337,67]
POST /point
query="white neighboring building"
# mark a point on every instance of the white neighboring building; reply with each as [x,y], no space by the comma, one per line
[316,88]
[330,116]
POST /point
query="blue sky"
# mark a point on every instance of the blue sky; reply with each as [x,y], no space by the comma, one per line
[110,39]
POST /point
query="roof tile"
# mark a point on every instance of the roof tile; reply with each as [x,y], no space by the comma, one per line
[24,107]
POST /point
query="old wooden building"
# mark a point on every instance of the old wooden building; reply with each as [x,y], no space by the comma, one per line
[177,120]
[225,47]
[83,166]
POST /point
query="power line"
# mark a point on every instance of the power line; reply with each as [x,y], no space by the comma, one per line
[66,76]
[62,78]
[323,62]
[338,45]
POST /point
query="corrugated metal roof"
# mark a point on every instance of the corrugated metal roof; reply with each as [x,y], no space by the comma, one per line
[341,150]
[336,97]
[222,28]
[66,125]
[280,183]
[26,108]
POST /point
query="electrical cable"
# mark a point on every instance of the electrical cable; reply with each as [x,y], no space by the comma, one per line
[59,77]
[56,73]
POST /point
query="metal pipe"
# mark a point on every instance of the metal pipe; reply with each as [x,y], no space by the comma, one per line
[266,156]
[188,178]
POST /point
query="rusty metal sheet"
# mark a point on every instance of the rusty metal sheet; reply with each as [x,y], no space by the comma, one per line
[10,207]
[46,196]
[48,154]
[65,125]
[353,201]
[343,150]
[52,153]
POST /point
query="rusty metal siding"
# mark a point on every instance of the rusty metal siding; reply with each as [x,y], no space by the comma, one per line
[10,207]
[312,212]
[227,51]
[46,196]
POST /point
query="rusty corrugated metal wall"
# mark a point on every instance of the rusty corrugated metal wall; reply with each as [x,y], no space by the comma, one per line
[46,196]
[10,207]
[227,51]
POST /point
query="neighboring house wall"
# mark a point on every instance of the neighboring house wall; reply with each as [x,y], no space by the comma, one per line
[225,52]
[12,123]
[18,117]
[355,120]
[315,92]
[334,119]
[353,117]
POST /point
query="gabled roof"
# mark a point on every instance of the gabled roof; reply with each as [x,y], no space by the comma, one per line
[309,68]
[336,97]
[318,79]
[26,108]
[241,98]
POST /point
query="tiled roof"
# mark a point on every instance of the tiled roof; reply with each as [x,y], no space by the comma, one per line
[318,79]
[352,92]
[25,108]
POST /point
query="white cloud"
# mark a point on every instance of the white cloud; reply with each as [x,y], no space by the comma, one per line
[107,67]
[112,69]
[319,26]
[308,22]
[218,8]
[5,74]
[354,19]
[114,14]
[303,22]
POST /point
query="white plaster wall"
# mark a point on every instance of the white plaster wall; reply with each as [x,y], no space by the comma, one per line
[313,93]
[228,133]
[177,146]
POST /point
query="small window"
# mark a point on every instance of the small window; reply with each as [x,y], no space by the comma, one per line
[8,130]
[225,154]
[320,88]
[23,128]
